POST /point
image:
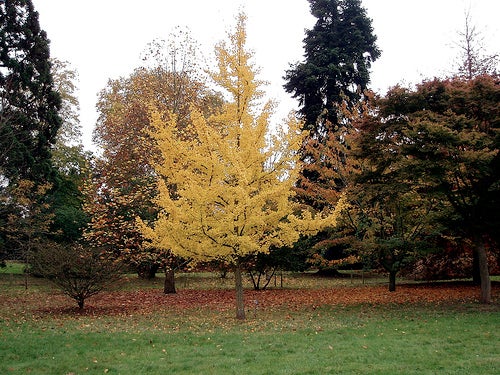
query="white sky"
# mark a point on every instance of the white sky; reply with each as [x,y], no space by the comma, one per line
[103,39]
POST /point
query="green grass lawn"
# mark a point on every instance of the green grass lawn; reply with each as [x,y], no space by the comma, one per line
[356,340]
[456,338]
[15,268]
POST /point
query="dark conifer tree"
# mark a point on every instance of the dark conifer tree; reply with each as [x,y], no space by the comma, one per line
[329,82]
[333,77]
[339,51]
[29,105]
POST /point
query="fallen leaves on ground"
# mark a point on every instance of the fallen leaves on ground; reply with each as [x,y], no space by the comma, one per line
[150,301]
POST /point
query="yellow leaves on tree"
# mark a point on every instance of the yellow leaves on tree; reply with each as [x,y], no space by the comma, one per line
[227,190]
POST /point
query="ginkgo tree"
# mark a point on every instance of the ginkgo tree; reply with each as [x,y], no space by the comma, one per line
[226,180]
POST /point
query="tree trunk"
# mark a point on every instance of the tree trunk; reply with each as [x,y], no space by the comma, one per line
[147,271]
[483,269]
[240,305]
[169,286]
[392,281]
[255,280]
[476,273]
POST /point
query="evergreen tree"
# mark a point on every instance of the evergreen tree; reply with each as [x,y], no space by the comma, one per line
[338,55]
[29,105]
[328,83]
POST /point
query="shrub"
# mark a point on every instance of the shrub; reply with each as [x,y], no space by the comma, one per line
[79,271]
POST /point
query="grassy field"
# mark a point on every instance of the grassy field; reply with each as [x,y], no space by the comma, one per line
[14,268]
[359,338]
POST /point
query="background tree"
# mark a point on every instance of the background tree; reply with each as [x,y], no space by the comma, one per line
[65,79]
[335,74]
[233,189]
[27,224]
[79,271]
[446,131]
[264,267]
[390,219]
[70,159]
[29,107]
[333,77]
[473,60]
[121,183]
[125,182]
[338,55]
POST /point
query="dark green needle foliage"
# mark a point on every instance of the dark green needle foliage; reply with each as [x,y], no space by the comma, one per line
[29,118]
[339,50]
[29,106]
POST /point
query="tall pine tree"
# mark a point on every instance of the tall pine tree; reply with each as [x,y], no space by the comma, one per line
[332,80]
[29,105]
[339,51]
[329,83]
[29,118]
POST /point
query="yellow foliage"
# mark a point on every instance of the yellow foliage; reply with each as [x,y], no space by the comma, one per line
[318,261]
[226,191]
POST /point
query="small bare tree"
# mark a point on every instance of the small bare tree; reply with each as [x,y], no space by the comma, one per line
[79,271]
[473,61]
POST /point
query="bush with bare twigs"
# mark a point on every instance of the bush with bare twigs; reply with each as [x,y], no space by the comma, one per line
[79,271]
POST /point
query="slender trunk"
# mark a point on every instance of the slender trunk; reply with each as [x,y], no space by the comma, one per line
[483,269]
[389,264]
[392,281]
[169,286]
[147,272]
[255,282]
[240,306]
[27,270]
[476,273]
[269,278]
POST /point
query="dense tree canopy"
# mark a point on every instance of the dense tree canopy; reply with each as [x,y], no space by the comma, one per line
[391,218]
[124,180]
[333,77]
[229,192]
[29,118]
[438,147]
[339,51]
[189,173]
[29,106]
[71,161]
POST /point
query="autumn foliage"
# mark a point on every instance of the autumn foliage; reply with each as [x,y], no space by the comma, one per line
[124,181]
[220,302]
[226,180]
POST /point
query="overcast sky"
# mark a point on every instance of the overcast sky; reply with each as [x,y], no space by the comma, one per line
[103,39]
